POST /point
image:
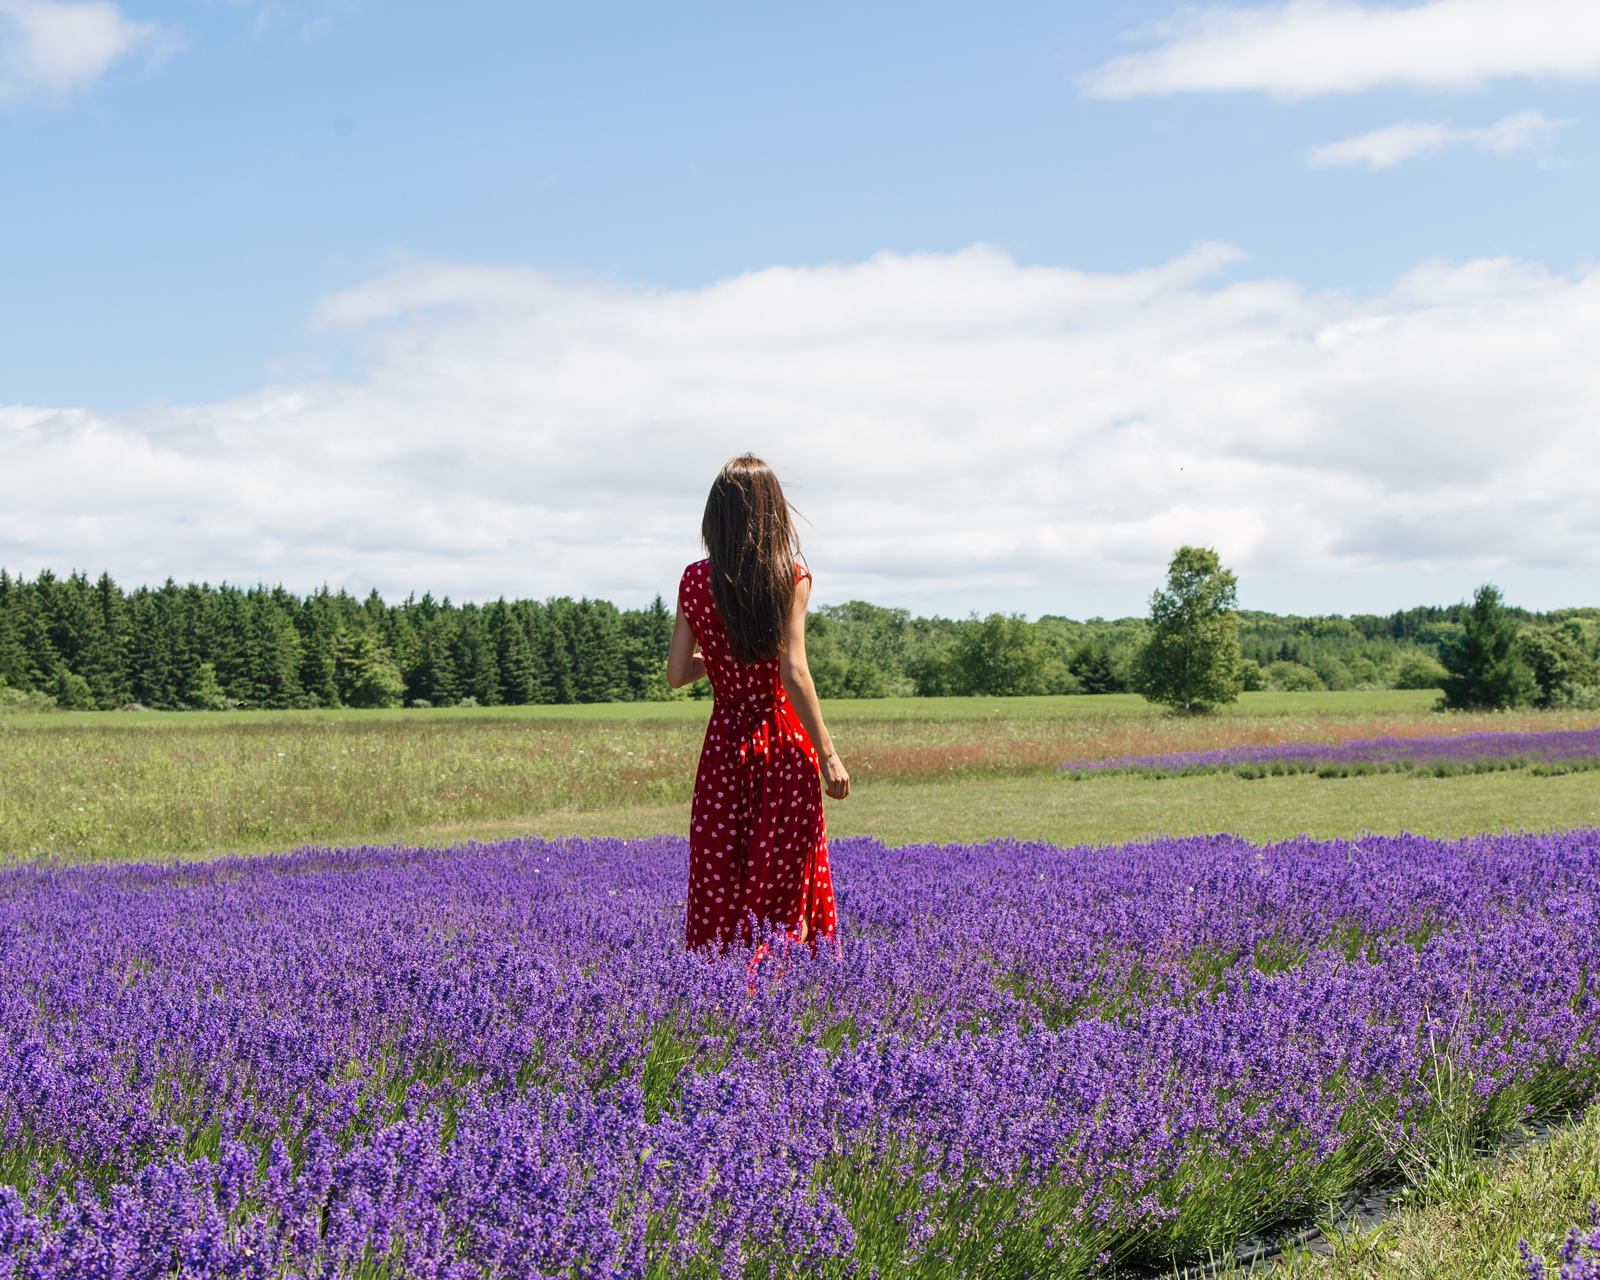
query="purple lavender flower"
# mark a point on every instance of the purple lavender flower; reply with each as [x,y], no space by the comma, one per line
[1580,1254]
[498,1058]
[1554,749]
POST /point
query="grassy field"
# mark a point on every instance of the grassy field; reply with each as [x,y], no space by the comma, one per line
[113,785]
[1117,809]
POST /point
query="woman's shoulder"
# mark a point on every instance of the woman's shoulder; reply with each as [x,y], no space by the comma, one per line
[696,576]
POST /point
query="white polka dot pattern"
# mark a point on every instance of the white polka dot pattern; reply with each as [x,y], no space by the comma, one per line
[758,844]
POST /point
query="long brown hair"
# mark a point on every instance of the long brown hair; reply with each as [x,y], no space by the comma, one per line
[748,531]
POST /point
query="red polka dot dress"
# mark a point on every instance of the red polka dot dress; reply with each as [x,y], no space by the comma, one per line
[758,844]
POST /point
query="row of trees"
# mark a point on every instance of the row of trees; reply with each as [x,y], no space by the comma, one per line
[1497,661]
[90,645]
[79,643]
[1489,656]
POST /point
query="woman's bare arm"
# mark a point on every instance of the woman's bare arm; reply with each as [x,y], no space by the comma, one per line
[684,663]
[797,683]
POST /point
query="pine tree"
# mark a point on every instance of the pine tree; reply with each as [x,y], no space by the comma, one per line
[1092,665]
[513,655]
[109,675]
[1484,664]
[474,657]
[600,667]
[430,671]
[317,623]
[647,635]
[272,648]
[558,648]
[87,649]
[150,650]
[33,632]
[192,635]
[13,657]
[228,652]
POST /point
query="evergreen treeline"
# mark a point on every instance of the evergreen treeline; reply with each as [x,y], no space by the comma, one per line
[90,645]
[85,643]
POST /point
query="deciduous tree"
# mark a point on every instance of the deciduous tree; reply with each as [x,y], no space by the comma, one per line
[1562,665]
[999,657]
[1191,656]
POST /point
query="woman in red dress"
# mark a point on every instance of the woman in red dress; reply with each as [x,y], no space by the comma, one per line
[758,845]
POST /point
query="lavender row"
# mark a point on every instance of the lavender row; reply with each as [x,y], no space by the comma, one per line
[1556,750]
[498,1060]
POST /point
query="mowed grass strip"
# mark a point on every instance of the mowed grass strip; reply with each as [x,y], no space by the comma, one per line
[1469,1228]
[1113,810]
[117,785]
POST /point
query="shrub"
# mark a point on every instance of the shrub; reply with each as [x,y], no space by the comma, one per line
[207,694]
[72,692]
[657,689]
[1333,673]
[1364,672]
[1293,677]
[24,699]
[1419,671]
[1560,662]
[1575,697]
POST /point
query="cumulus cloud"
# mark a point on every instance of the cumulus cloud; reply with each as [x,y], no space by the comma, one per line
[1311,47]
[49,48]
[947,424]
[1389,146]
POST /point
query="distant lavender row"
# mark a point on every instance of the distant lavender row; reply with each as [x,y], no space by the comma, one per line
[1461,750]
[497,1060]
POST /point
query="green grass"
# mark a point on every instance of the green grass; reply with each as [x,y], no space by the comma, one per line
[105,790]
[113,785]
[1469,1229]
[1118,809]
[1128,808]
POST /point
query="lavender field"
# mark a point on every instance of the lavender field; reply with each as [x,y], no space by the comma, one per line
[1552,751]
[1019,1060]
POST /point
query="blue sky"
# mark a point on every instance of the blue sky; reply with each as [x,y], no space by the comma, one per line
[203,202]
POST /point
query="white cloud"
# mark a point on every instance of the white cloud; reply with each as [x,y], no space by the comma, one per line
[1386,147]
[48,48]
[948,423]
[1311,47]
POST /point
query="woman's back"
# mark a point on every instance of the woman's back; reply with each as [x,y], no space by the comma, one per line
[731,680]
[758,846]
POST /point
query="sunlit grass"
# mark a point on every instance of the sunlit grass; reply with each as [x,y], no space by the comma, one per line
[112,785]
[1470,1227]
